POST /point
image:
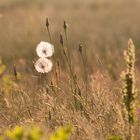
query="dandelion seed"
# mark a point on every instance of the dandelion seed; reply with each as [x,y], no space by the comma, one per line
[45,49]
[43,65]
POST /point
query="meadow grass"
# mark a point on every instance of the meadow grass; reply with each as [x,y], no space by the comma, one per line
[84,88]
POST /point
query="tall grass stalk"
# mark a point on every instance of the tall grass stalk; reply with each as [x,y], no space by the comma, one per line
[65,52]
[22,92]
[65,26]
[129,89]
[50,38]
[72,79]
[85,70]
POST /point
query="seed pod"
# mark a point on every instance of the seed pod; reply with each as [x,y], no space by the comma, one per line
[80,48]
[15,71]
[47,22]
[65,25]
[61,39]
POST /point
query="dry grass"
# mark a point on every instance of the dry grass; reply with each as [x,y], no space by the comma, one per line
[103,29]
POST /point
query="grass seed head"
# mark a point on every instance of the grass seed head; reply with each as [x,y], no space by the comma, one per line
[47,22]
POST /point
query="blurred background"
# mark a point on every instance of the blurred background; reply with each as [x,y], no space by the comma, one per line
[103,26]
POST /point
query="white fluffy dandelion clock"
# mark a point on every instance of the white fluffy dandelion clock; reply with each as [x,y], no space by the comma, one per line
[44,49]
[43,65]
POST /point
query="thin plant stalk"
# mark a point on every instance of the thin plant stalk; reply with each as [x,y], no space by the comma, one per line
[85,70]
[50,38]
[67,59]
[21,90]
[67,50]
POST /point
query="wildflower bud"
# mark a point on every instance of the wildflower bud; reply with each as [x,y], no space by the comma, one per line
[49,115]
[47,22]
[65,25]
[15,71]
[61,39]
[80,48]
[51,83]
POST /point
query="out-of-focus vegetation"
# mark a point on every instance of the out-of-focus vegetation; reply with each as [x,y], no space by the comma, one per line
[34,133]
[99,24]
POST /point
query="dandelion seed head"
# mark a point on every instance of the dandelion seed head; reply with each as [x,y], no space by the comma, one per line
[43,65]
[44,49]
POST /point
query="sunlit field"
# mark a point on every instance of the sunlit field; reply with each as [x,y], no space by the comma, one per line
[69,70]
